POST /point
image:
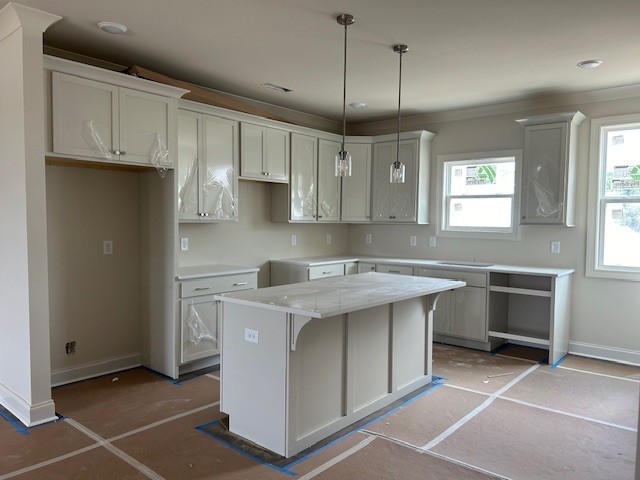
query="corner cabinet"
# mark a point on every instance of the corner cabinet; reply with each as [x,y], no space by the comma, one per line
[402,202]
[264,153]
[549,170]
[356,189]
[101,121]
[207,167]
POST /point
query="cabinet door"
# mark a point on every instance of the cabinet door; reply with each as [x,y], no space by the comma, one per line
[85,117]
[251,150]
[442,314]
[544,173]
[188,154]
[383,155]
[304,159]
[403,195]
[328,183]
[218,167]
[276,154]
[199,328]
[469,313]
[356,189]
[144,127]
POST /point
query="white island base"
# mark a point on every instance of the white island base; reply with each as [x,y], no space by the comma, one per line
[301,362]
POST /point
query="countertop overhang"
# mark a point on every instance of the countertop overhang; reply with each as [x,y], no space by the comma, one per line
[338,295]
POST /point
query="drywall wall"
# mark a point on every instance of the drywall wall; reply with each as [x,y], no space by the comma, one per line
[94,298]
[604,312]
[254,240]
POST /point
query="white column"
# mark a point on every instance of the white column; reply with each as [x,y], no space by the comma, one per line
[25,364]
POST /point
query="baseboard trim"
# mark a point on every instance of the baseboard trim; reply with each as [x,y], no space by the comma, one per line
[619,355]
[29,415]
[91,370]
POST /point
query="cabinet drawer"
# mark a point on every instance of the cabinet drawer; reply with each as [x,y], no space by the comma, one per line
[366,267]
[224,283]
[326,271]
[397,269]
[473,279]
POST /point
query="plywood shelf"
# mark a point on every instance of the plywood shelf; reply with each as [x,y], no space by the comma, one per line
[520,291]
[521,336]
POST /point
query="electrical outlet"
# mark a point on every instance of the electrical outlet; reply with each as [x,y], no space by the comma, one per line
[251,336]
[70,347]
[184,244]
[555,246]
[294,240]
[413,240]
[367,239]
[432,242]
[107,247]
[328,239]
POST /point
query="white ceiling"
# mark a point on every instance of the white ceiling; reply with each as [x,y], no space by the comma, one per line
[462,52]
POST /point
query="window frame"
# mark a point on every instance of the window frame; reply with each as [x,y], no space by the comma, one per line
[493,233]
[598,200]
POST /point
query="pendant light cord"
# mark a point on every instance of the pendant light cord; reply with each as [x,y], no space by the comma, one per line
[397,164]
[344,88]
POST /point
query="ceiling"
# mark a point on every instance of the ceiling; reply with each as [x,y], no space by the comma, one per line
[463,53]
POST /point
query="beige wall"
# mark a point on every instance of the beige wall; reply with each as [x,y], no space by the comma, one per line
[93,297]
[604,312]
[254,239]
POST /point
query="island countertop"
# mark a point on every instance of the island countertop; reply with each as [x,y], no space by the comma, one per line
[334,296]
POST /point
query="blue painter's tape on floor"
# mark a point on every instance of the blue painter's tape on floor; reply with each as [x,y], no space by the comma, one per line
[559,361]
[13,421]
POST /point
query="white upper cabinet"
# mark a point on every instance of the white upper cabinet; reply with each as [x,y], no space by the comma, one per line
[548,169]
[303,183]
[102,121]
[264,153]
[207,167]
[402,202]
[328,184]
[356,189]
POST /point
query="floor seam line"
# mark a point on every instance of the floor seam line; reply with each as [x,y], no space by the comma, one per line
[434,454]
[48,462]
[516,358]
[484,405]
[599,374]
[337,459]
[115,450]
[569,414]
[210,375]
[465,389]
[161,422]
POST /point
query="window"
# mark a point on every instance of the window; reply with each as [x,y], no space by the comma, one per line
[479,194]
[614,209]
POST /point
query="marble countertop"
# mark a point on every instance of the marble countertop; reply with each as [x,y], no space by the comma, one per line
[427,263]
[334,296]
[203,271]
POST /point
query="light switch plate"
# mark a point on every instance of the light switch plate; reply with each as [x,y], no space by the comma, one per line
[251,336]
[367,239]
[413,240]
[555,246]
[328,239]
[184,244]
[432,241]
[107,247]
[294,240]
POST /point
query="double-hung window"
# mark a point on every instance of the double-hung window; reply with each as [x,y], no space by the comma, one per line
[479,194]
[614,209]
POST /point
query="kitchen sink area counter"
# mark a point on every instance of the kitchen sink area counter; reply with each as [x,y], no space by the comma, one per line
[301,362]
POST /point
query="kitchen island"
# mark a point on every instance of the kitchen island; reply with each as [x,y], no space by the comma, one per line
[303,361]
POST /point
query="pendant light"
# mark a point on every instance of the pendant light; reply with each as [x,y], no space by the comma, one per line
[396,170]
[343,158]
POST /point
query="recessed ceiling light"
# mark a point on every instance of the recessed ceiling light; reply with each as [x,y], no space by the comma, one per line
[275,87]
[590,64]
[357,105]
[112,27]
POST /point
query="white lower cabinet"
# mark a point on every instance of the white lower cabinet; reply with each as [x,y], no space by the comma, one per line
[463,312]
[199,328]
[199,325]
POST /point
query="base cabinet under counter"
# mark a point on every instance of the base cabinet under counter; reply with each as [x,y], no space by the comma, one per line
[199,323]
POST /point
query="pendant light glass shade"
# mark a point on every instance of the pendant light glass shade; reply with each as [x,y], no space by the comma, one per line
[397,169]
[343,158]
